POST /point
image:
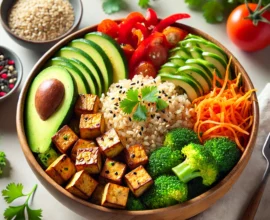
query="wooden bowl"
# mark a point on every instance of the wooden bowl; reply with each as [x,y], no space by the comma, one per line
[181,211]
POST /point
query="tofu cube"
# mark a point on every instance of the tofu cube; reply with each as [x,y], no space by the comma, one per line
[91,125]
[62,169]
[97,194]
[82,185]
[89,159]
[112,171]
[87,104]
[64,139]
[81,144]
[138,180]
[135,156]
[110,143]
[115,196]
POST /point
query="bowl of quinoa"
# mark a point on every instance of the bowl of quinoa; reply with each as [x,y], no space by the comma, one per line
[39,24]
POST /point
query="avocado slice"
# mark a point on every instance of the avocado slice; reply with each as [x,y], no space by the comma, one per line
[38,131]
[78,54]
[82,85]
[99,56]
[113,51]
[48,157]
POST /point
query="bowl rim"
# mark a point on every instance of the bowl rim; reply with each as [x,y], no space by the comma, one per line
[73,27]
[186,209]
[19,75]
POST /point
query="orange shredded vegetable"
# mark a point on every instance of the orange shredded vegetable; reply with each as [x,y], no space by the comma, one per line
[225,111]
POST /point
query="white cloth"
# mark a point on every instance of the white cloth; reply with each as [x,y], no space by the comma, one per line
[232,205]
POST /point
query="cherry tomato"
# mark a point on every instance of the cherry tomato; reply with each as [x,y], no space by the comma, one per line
[174,35]
[109,27]
[146,69]
[157,54]
[244,33]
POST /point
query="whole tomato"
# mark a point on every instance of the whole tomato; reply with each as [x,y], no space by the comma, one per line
[249,29]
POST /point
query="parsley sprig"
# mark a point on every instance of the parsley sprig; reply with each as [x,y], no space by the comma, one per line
[135,102]
[2,161]
[14,191]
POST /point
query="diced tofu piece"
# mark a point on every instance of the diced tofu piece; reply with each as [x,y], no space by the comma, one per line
[110,143]
[112,171]
[81,144]
[87,104]
[64,139]
[62,169]
[115,196]
[89,159]
[138,180]
[97,194]
[91,125]
[82,185]
[135,156]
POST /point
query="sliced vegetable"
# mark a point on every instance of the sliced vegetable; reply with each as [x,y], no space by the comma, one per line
[109,27]
[151,17]
[174,35]
[146,69]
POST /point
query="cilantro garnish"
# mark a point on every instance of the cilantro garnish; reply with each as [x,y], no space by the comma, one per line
[13,192]
[144,3]
[135,103]
[2,161]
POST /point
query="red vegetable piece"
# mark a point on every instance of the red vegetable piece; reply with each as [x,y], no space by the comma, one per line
[2,94]
[11,62]
[4,76]
[174,35]
[169,21]
[128,50]
[145,68]
[11,86]
[135,14]
[140,33]
[109,27]
[1,67]
[157,54]
[151,17]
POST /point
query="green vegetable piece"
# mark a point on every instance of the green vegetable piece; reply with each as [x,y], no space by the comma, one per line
[180,137]
[196,188]
[166,191]
[112,6]
[213,11]
[13,192]
[134,203]
[149,94]
[161,104]
[199,162]
[143,3]
[2,161]
[162,160]
[225,152]
[140,113]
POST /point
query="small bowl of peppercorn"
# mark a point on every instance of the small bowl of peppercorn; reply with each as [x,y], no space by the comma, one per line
[37,24]
[11,72]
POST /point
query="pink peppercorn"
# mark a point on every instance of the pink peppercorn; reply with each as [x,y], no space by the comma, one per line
[2,94]
[11,62]
[4,76]
[11,86]
[1,67]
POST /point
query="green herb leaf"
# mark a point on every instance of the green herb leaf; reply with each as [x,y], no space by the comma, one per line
[12,192]
[144,3]
[34,214]
[127,106]
[2,161]
[140,113]
[132,94]
[161,104]
[112,6]
[13,211]
[213,11]
[149,93]
[195,4]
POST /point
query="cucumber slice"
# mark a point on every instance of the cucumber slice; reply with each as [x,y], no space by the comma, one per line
[71,52]
[99,56]
[202,65]
[169,68]
[218,62]
[114,53]
[177,60]
[185,82]
[180,51]
[82,85]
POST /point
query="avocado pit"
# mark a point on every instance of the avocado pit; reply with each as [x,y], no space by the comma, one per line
[48,97]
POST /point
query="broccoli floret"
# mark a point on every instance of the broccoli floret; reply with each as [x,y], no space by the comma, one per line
[162,160]
[225,152]
[199,162]
[196,188]
[134,203]
[166,191]
[2,161]
[180,137]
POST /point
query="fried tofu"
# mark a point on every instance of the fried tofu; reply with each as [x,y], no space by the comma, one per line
[91,125]
[81,144]
[138,180]
[135,156]
[112,171]
[110,143]
[64,139]
[115,196]
[62,169]
[89,159]
[82,185]
[97,194]
[87,104]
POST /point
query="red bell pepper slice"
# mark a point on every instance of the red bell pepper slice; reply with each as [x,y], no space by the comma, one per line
[109,27]
[140,33]
[151,17]
[169,21]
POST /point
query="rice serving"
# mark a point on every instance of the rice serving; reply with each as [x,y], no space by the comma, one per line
[150,133]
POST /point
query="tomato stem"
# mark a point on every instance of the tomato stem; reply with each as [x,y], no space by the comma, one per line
[256,15]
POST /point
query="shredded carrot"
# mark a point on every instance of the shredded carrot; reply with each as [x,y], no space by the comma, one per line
[225,111]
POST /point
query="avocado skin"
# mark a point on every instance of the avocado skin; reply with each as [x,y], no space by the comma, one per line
[39,132]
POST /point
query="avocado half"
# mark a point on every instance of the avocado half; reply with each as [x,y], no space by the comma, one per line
[39,132]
